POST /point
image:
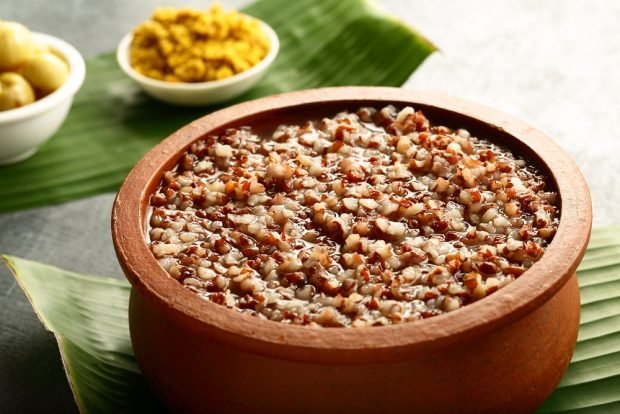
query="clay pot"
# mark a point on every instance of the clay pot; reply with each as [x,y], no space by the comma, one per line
[504,353]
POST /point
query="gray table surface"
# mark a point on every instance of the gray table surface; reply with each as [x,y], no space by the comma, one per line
[554,64]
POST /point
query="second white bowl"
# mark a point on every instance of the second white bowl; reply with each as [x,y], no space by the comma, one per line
[199,93]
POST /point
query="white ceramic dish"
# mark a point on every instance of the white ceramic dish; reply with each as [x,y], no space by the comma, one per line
[199,93]
[24,129]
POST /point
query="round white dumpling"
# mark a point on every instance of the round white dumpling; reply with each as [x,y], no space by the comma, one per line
[14,91]
[16,45]
[46,72]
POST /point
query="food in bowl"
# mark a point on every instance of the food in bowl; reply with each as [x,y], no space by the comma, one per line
[46,72]
[16,45]
[368,218]
[522,335]
[15,91]
[29,122]
[187,45]
[29,70]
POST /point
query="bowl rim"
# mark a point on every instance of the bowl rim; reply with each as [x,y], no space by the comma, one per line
[342,345]
[122,57]
[77,73]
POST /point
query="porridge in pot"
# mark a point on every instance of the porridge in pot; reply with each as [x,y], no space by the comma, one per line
[369,218]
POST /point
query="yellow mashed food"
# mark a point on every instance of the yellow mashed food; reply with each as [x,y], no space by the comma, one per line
[187,45]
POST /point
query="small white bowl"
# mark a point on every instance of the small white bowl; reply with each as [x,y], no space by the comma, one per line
[23,129]
[199,93]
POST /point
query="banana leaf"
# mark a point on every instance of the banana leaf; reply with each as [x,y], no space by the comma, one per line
[88,315]
[112,124]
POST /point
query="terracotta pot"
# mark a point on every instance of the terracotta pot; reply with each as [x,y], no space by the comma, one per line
[504,353]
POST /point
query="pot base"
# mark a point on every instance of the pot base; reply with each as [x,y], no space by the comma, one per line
[513,369]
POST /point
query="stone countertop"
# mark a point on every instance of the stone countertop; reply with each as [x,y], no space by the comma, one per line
[552,64]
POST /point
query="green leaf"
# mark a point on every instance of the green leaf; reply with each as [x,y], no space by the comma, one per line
[88,315]
[112,124]
[592,382]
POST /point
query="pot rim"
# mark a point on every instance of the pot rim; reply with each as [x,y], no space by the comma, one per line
[329,345]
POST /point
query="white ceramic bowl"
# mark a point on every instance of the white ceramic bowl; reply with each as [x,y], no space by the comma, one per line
[23,129]
[200,93]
